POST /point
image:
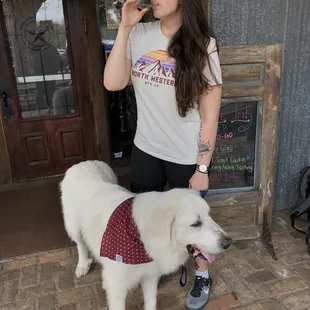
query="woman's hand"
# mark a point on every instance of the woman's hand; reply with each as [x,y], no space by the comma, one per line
[130,14]
[199,181]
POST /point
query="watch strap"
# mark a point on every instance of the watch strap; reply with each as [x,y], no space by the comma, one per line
[201,171]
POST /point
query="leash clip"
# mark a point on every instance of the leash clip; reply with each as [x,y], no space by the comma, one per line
[183,273]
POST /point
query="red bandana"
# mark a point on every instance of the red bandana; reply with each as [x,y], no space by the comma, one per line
[121,240]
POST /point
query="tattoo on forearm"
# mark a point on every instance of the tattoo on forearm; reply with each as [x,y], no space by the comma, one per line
[204,147]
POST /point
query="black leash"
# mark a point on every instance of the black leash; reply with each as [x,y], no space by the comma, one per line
[183,273]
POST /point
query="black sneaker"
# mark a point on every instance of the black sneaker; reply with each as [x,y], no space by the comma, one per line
[198,296]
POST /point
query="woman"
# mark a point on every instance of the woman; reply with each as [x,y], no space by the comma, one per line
[174,66]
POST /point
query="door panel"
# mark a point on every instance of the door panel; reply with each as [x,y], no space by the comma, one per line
[48,116]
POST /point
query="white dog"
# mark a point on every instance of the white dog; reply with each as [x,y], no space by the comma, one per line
[166,222]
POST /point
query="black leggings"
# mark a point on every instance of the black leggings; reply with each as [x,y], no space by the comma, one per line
[149,173]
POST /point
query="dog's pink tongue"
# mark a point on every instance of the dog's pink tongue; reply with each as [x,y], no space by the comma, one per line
[209,257]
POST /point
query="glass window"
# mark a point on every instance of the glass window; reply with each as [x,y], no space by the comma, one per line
[38,43]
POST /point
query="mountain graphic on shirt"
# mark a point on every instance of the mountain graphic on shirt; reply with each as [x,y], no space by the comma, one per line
[156,63]
[154,68]
[171,73]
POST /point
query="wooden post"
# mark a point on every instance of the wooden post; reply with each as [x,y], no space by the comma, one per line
[5,167]
[95,54]
[269,131]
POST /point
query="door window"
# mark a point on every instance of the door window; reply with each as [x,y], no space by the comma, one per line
[38,44]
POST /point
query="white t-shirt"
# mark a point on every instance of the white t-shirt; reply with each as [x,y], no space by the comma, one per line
[161,131]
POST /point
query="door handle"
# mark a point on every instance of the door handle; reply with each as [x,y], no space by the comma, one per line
[5,105]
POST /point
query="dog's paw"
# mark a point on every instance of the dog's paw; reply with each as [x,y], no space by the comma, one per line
[82,270]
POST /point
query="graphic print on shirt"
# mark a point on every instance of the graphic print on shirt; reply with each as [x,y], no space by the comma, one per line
[156,68]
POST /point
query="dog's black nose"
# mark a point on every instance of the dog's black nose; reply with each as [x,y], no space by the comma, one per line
[226,242]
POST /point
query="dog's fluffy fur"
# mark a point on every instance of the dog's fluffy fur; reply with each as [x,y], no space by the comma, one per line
[89,195]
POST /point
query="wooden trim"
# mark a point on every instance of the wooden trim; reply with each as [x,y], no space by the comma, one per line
[243,233]
[233,199]
[269,131]
[5,166]
[205,4]
[8,74]
[234,216]
[28,184]
[243,54]
[95,58]
[242,91]
[232,210]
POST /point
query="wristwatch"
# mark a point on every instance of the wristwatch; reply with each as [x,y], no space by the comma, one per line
[202,169]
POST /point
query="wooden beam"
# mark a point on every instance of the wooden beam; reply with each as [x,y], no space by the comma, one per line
[205,4]
[243,54]
[243,91]
[269,131]
[95,58]
[5,166]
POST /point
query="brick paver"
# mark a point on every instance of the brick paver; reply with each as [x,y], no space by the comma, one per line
[245,278]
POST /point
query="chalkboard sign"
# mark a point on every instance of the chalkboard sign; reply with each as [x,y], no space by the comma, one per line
[233,160]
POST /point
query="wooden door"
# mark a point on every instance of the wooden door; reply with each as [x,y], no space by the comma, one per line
[46,108]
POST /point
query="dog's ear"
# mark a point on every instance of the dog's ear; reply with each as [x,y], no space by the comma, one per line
[158,230]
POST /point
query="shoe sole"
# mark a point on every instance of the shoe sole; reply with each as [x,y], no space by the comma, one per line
[202,307]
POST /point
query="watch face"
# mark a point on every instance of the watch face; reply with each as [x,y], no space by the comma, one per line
[203,168]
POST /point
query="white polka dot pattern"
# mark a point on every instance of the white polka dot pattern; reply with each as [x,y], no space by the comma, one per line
[121,240]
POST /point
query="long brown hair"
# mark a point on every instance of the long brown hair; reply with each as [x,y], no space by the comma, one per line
[189,48]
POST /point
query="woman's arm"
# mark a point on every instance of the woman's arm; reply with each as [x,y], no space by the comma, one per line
[209,109]
[118,67]
[210,105]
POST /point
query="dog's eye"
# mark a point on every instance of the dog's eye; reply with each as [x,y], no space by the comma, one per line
[197,224]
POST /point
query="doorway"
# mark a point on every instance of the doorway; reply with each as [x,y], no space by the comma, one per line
[44,87]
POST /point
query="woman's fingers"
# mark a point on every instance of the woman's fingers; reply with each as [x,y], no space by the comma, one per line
[142,12]
[129,2]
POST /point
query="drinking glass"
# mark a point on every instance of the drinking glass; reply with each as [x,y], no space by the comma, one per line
[145,4]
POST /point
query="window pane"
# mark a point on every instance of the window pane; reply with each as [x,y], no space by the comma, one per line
[38,43]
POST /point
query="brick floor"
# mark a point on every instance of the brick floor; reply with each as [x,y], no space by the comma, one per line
[245,278]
